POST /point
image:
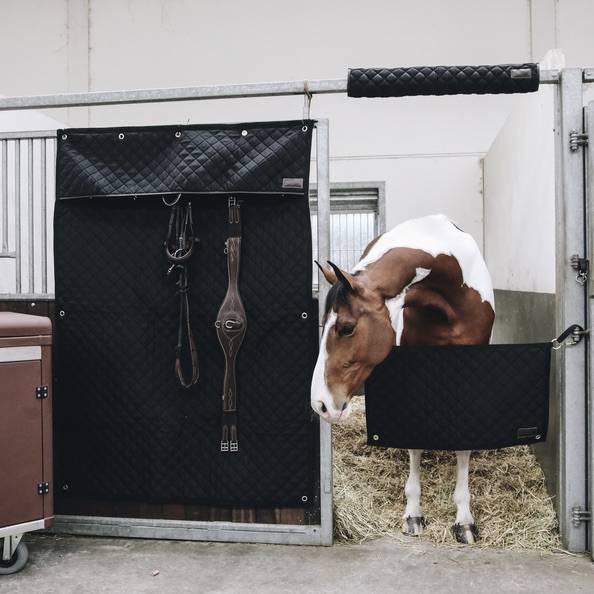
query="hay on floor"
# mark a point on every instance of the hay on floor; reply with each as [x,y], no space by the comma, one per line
[509,500]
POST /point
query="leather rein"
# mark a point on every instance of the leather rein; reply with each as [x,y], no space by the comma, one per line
[179,247]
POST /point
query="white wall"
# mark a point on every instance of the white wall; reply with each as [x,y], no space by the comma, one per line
[519,212]
[49,46]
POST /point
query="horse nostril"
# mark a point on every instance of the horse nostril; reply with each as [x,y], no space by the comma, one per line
[324,409]
[345,405]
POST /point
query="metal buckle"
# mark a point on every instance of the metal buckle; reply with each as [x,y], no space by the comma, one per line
[234,446]
[225,446]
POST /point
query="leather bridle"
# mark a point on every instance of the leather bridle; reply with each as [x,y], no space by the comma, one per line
[179,247]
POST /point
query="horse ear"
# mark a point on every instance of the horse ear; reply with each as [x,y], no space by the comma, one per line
[327,272]
[343,276]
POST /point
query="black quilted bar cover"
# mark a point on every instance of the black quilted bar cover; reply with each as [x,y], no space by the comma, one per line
[124,428]
[229,159]
[442,80]
[459,397]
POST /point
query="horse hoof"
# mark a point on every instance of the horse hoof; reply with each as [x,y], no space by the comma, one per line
[465,533]
[413,525]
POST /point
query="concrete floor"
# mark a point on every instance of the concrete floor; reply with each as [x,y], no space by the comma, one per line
[66,564]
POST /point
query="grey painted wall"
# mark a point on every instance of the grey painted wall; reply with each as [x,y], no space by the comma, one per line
[530,317]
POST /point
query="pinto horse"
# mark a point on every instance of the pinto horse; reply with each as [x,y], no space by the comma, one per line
[422,283]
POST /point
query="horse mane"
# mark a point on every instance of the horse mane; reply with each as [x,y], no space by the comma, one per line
[337,295]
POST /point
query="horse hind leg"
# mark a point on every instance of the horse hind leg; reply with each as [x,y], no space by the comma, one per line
[413,520]
[464,529]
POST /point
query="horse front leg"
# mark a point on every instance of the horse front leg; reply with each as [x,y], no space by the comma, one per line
[464,530]
[413,520]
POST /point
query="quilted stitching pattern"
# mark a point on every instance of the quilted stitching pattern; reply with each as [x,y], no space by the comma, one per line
[233,159]
[124,430]
[441,80]
[459,397]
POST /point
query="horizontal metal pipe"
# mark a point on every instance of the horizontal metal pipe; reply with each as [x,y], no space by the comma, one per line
[173,94]
[236,91]
[27,134]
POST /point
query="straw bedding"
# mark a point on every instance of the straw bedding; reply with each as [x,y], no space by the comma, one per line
[509,500]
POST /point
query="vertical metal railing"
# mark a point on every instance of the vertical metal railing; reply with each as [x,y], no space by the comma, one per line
[26,166]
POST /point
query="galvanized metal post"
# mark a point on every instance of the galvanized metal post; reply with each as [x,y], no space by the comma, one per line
[570,309]
[588,508]
[30,215]
[17,209]
[43,192]
[4,147]
[323,183]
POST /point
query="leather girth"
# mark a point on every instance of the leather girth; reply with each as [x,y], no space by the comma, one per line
[231,326]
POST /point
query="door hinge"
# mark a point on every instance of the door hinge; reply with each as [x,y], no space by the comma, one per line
[580,515]
[41,392]
[577,139]
[42,488]
[582,266]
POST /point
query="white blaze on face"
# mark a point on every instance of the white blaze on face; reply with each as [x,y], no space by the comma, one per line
[321,398]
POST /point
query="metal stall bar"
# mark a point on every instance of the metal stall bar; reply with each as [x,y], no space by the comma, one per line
[323,199]
[43,193]
[17,212]
[4,251]
[237,91]
[570,309]
[31,235]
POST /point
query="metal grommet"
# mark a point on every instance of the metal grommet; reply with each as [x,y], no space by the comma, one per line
[121,136]
[64,136]
[65,487]
[304,498]
[178,134]
[244,132]
[304,315]
[538,436]
[304,129]
[62,313]
[375,437]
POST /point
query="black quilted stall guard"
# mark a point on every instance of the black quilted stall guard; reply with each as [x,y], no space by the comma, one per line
[124,428]
[443,80]
[459,397]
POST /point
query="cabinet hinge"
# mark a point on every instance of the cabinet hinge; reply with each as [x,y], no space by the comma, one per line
[577,139]
[582,266]
[42,488]
[580,515]
[41,392]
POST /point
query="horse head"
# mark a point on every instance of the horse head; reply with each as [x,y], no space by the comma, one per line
[357,336]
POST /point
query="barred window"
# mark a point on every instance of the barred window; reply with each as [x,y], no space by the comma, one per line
[356,217]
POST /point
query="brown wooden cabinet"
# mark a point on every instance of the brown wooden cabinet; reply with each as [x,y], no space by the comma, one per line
[26,489]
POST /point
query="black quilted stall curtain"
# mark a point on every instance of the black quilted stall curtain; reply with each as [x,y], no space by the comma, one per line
[124,427]
[463,397]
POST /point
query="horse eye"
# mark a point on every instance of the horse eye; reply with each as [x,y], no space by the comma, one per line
[346,330]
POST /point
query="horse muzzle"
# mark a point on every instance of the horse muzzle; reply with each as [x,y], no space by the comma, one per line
[332,413]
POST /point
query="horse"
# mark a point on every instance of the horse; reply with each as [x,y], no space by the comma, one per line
[424,282]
